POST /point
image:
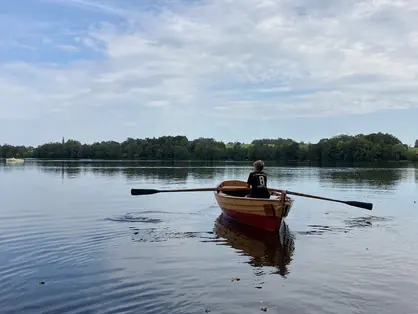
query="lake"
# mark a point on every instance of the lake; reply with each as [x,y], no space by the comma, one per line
[73,240]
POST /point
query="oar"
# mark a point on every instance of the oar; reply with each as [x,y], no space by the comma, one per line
[364,205]
[152,191]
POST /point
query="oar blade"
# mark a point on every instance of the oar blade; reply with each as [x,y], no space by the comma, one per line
[143,191]
[364,205]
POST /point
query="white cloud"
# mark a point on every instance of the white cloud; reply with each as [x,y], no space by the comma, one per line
[227,59]
[67,48]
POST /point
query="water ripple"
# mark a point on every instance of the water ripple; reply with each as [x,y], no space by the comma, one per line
[132,218]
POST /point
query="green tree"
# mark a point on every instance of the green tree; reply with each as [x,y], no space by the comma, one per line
[361,147]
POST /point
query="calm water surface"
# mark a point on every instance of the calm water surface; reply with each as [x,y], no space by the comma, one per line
[97,249]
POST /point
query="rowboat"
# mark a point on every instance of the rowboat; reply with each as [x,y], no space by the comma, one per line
[263,248]
[263,213]
[14,160]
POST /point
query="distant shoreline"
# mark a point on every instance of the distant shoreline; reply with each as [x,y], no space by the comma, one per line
[248,163]
[369,148]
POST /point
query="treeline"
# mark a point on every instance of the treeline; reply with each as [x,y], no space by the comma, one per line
[370,147]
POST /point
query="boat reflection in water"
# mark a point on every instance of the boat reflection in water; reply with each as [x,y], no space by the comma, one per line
[264,249]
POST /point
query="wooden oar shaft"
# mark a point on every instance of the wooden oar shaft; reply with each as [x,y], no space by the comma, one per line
[364,205]
[238,188]
[313,196]
[189,190]
[153,191]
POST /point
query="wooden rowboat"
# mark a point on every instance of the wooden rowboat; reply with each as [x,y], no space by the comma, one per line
[263,213]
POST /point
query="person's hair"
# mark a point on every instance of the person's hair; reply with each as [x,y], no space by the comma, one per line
[258,165]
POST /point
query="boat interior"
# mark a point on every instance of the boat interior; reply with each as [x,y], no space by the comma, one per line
[235,183]
[237,193]
[243,193]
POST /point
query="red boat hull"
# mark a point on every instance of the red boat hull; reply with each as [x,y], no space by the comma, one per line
[262,222]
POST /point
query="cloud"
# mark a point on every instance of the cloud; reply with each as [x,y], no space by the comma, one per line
[182,61]
[67,48]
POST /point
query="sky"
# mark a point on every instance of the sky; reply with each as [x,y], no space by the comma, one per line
[233,70]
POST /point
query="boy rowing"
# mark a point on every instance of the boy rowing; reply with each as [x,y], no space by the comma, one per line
[257,181]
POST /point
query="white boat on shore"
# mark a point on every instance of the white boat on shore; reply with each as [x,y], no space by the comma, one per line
[14,160]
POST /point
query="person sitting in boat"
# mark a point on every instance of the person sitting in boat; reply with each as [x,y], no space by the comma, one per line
[257,181]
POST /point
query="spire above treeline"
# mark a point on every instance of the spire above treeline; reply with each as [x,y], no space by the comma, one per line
[361,147]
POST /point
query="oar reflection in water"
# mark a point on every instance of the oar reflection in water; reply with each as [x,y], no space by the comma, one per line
[265,249]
